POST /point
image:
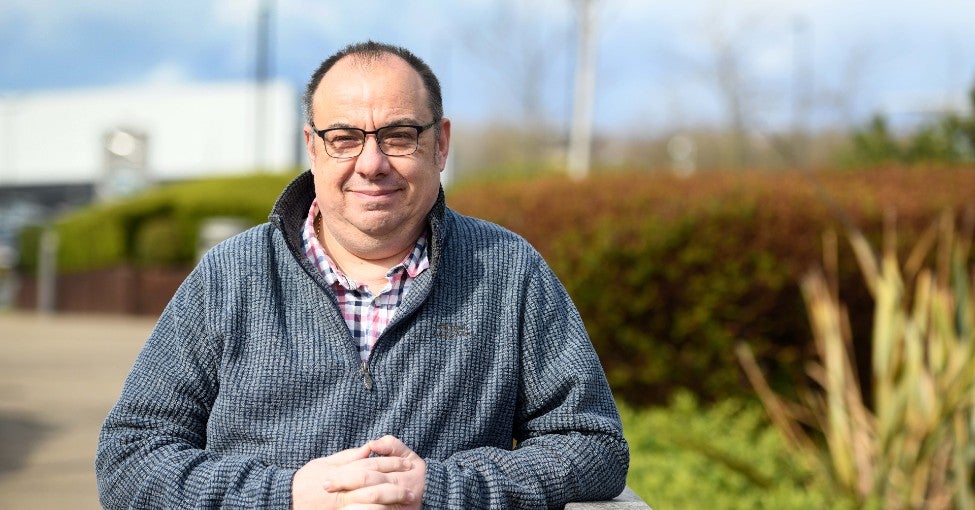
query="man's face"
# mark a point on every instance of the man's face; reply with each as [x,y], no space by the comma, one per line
[375,197]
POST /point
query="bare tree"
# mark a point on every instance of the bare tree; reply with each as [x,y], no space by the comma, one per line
[841,99]
[735,86]
[523,49]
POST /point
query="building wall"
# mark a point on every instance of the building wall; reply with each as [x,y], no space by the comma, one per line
[57,153]
[190,130]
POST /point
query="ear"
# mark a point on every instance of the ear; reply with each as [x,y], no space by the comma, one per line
[310,137]
[443,143]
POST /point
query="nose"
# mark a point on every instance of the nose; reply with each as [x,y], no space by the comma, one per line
[372,163]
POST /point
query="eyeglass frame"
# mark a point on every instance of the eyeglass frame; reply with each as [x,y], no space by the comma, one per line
[419,131]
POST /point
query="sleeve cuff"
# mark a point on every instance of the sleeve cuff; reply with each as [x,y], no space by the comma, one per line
[435,485]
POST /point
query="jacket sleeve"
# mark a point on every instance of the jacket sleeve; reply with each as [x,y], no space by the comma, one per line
[151,450]
[570,444]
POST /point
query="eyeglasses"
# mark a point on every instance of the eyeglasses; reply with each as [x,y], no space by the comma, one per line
[395,140]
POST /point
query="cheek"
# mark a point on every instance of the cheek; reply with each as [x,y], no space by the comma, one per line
[329,176]
[323,186]
[316,173]
[428,184]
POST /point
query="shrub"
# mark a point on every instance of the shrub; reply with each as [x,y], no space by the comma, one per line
[669,274]
[665,301]
[94,238]
[158,228]
[725,456]
[160,241]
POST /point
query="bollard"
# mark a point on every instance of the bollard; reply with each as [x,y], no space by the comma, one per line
[47,272]
[216,229]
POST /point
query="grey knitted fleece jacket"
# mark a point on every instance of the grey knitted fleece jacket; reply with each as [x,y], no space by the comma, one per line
[251,372]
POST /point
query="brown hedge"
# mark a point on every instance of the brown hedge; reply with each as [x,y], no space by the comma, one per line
[669,273]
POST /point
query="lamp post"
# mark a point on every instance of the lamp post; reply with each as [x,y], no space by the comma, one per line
[262,71]
[580,132]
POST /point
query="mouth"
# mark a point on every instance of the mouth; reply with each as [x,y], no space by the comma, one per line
[374,197]
[373,193]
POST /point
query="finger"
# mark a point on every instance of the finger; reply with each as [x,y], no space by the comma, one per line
[383,494]
[366,472]
[383,464]
[357,479]
[349,455]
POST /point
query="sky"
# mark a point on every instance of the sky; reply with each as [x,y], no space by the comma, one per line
[821,63]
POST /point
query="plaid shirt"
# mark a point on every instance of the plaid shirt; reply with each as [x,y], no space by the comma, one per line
[365,314]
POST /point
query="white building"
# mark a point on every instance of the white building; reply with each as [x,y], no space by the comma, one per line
[80,138]
[60,150]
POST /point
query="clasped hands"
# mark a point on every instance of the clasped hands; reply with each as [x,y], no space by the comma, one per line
[393,478]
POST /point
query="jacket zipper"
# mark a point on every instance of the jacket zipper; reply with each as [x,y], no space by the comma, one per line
[366,376]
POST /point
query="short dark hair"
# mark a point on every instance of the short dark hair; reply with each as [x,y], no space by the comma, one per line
[375,50]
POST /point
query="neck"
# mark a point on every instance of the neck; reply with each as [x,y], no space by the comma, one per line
[365,263]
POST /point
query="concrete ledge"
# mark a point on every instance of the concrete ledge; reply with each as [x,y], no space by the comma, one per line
[627,500]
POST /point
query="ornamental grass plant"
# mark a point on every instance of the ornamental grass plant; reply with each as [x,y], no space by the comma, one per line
[908,442]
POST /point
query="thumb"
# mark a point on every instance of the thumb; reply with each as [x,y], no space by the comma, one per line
[389,446]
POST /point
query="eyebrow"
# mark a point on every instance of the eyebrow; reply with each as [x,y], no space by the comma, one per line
[400,121]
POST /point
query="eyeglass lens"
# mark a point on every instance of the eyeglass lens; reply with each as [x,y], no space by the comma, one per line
[393,141]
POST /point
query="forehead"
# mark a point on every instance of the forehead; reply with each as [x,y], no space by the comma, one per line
[377,88]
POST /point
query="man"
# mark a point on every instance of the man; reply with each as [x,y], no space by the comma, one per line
[368,346]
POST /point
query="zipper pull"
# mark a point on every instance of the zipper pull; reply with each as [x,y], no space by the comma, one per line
[366,377]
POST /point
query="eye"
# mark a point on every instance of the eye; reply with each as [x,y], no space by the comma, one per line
[399,136]
[342,137]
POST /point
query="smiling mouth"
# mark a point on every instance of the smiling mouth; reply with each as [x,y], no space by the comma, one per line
[373,193]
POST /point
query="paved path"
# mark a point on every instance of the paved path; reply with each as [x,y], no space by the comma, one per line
[59,376]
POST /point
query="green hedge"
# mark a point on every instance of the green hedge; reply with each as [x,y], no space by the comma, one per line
[725,456]
[159,228]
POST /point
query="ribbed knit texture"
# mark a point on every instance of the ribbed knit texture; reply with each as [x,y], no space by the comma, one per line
[251,372]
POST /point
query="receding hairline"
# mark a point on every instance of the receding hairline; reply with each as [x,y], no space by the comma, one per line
[368,58]
[366,63]
[371,60]
[367,54]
